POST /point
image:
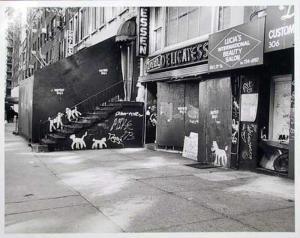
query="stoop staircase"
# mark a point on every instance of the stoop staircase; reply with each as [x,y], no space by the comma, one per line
[57,140]
[94,110]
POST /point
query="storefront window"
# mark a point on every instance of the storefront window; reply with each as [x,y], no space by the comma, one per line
[280,103]
[182,23]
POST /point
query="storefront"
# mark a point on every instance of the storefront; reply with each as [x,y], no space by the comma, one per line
[172,97]
[247,104]
[228,100]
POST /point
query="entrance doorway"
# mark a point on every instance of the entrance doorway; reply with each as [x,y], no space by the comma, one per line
[215,121]
[151,113]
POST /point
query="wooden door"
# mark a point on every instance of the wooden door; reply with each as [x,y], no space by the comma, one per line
[170,114]
[215,121]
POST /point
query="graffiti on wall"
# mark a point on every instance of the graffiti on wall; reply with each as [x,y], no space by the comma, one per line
[220,154]
[58,91]
[248,132]
[182,110]
[235,130]
[214,115]
[78,142]
[193,114]
[235,121]
[248,87]
[115,139]
[122,128]
[125,131]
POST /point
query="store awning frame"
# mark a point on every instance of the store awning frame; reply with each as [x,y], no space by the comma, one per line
[180,74]
[126,31]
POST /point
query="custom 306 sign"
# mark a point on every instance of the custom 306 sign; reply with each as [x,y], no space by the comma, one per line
[237,47]
[280,28]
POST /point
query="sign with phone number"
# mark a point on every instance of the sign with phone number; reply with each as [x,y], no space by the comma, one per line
[237,47]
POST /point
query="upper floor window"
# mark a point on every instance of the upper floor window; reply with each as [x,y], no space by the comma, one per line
[76,29]
[111,13]
[84,22]
[100,16]
[184,23]
[157,28]
[230,16]
[224,18]
[94,18]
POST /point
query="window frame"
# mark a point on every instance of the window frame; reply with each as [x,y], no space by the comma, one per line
[167,20]
[274,79]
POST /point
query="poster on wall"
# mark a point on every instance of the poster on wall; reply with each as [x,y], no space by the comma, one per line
[190,147]
[249,103]
[279,28]
[237,47]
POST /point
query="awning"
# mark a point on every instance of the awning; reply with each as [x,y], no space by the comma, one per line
[12,100]
[176,74]
[127,31]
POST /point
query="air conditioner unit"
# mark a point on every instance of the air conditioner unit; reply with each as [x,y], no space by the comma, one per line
[44,30]
[31,66]
[33,52]
[34,30]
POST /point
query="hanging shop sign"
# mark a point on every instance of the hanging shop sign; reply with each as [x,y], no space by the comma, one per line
[70,42]
[279,28]
[143,32]
[237,47]
[190,55]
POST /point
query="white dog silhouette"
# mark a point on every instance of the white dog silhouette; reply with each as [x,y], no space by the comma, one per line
[99,143]
[220,155]
[78,142]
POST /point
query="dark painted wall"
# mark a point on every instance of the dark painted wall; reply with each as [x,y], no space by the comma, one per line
[25,107]
[80,78]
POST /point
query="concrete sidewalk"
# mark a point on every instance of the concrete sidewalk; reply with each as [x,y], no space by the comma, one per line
[136,190]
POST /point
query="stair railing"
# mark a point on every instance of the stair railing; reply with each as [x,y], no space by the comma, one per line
[86,105]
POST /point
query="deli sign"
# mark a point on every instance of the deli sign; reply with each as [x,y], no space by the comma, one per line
[237,47]
[143,32]
[190,55]
[279,28]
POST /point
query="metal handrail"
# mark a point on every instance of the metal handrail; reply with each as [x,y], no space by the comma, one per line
[97,94]
[102,91]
